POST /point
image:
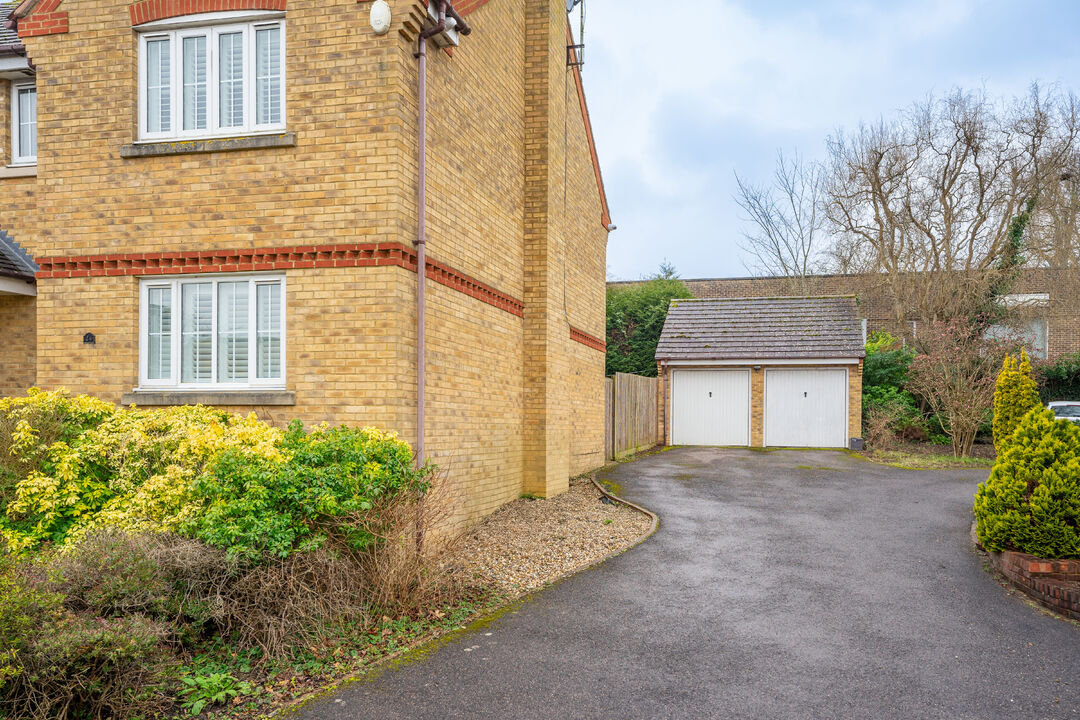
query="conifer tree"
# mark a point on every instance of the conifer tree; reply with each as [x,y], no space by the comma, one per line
[1015,395]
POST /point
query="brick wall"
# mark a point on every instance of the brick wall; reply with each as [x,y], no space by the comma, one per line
[1055,584]
[513,204]
[19,348]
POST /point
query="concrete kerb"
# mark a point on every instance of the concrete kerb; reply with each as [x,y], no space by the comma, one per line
[421,648]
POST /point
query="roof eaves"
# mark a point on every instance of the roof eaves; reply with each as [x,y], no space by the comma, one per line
[14,261]
[605,211]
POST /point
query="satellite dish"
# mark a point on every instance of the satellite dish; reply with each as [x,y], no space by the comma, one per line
[571,4]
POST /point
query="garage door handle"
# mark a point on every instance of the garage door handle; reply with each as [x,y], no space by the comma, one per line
[804,395]
[710,394]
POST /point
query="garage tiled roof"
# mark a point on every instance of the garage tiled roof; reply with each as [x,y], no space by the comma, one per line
[14,261]
[787,328]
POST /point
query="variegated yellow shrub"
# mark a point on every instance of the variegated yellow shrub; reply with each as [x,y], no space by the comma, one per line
[73,464]
[124,468]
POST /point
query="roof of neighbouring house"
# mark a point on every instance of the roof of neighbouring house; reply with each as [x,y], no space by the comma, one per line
[8,36]
[781,328]
[14,261]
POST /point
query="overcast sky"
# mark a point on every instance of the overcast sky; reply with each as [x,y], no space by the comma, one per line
[683,94]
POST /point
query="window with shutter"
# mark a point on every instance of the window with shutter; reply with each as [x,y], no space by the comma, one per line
[23,123]
[229,78]
[230,332]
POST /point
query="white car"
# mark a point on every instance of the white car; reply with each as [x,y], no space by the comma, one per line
[1066,410]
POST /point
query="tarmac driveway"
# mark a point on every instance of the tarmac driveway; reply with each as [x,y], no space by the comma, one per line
[786,584]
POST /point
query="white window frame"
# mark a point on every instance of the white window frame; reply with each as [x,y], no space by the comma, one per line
[211,25]
[176,284]
[16,158]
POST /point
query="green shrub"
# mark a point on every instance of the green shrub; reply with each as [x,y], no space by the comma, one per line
[1015,395]
[80,665]
[176,580]
[635,317]
[139,535]
[231,481]
[57,663]
[901,401]
[260,508]
[128,469]
[1031,501]
[887,361]
[1060,379]
[26,604]
[890,414]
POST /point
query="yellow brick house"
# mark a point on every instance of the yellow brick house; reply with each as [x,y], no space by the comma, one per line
[216,201]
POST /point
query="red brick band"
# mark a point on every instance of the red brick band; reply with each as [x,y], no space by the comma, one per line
[45,19]
[287,258]
[150,10]
[586,339]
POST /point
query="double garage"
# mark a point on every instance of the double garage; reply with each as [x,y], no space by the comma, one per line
[770,372]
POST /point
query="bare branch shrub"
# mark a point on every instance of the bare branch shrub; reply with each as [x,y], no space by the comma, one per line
[879,427]
[955,373]
[407,570]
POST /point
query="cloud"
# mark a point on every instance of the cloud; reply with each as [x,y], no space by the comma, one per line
[684,95]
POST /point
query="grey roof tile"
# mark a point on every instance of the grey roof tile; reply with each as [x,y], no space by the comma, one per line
[14,261]
[8,37]
[762,329]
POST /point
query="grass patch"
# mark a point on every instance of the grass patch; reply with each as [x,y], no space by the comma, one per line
[924,461]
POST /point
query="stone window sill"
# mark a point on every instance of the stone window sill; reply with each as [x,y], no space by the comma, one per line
[214,397]
[185,147]
[18,171]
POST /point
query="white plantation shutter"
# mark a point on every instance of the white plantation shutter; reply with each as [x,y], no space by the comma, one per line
[214,81]
[268,75]
[219,331]
[27,120]
[159,333]
[195,64]
[197,331]
[268,334]
[158,87]
[231,79]
[232,328]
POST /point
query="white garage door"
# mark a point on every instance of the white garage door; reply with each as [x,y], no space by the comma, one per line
[806,408]
[710,407]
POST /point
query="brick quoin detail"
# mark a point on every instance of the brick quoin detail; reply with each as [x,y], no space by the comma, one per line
[150,10]
[289,258]
[44,20]
[586,339]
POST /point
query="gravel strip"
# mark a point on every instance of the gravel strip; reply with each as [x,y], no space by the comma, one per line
[527,543]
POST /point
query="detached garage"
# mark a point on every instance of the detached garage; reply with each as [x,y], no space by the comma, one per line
[762,372]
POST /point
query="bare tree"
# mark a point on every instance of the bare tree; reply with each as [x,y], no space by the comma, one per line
[930,198]
[955,373]
[788,224]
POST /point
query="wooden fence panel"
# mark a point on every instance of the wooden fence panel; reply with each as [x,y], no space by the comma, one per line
[609,418]
[630,423]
